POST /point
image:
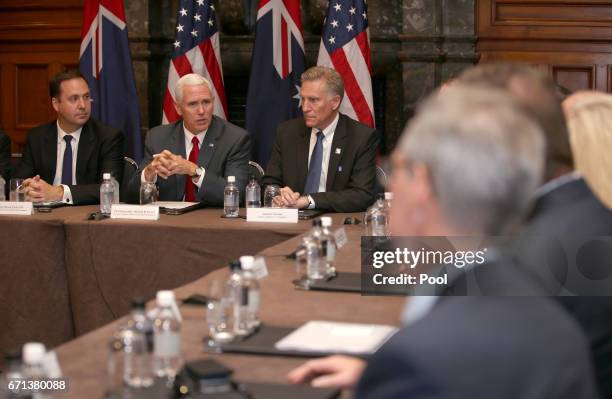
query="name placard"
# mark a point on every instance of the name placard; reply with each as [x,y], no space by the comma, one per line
[137,212]
[272,215]
[341,238]
[15,208]
[260,268]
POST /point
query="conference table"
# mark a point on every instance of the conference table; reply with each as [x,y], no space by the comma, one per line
[83,360]
[62,275]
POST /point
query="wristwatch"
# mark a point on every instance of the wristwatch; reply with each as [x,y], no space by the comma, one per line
[198,172]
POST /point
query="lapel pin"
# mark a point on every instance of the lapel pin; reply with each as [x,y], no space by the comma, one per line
[338,151]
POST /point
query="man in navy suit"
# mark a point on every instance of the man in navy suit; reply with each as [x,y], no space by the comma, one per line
[324,160]
[468,164]
[64,160]
[565,208]
[195,155]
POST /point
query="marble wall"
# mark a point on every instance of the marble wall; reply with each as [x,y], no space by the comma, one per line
[416,45]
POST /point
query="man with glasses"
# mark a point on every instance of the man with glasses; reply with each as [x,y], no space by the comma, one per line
[64,160]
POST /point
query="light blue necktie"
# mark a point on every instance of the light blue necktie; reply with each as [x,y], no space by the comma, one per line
[314,168]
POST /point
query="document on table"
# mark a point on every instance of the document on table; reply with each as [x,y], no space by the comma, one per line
[175,204]
[326,336]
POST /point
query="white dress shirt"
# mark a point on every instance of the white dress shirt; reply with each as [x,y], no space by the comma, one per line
[61,147]
[328,132]
[188,147]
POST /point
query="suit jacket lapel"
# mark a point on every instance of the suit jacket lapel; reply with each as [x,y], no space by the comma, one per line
[336,152]
[302,149]
[177,146]
[49,155]
[208,147]
[87,143]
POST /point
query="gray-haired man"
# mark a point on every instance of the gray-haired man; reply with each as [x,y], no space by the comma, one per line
[468,164]
[324,160]
[194,155]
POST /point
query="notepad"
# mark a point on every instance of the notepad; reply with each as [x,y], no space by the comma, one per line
[335,337]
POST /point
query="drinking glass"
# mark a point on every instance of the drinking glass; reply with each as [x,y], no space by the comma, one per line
[219,315]
[17,193]
[148,193]
[271,192]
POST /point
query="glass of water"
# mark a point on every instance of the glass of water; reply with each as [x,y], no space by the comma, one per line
[17,192]
[148,193]
[271,192]
[219,315]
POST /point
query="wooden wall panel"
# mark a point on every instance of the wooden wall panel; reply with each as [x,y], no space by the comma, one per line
[38,38]
[570,39]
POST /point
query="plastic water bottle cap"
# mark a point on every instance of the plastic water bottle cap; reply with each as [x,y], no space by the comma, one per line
[33,352]
[231,179]
[388,196]
[106,176]
[247,262]
[165,298]
[326,221]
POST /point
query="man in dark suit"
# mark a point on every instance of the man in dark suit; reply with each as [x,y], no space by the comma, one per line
[64,160]
[565,209]
[326,156]
[195,155]
[495,346]
[5,155]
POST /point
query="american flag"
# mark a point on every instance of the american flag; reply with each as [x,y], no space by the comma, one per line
[196,50]
[345,46]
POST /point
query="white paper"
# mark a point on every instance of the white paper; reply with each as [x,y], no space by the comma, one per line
[15,208]
[260,268]
[341,238]
[335,337]
[137,212]
[272,215]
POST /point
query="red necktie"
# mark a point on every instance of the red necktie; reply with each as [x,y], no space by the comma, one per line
[190,188]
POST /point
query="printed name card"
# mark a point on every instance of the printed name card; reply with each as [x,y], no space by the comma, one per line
[137,212]
[260,268]
[341,238]
[272,215]
[15,208]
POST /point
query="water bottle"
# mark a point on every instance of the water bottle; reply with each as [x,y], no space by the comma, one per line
[33,364]
[12,372]
[231,198]
[315,267]
[328,245]
[107,194]
[2,189]
[238,294]
[138,347]
[117,191]
[376,218]
[247,264]
[253,194]
[166,336]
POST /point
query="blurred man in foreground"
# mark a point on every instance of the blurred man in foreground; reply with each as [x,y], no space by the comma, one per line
[468,165]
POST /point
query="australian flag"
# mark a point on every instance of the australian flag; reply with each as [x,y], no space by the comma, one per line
[106,63]
[278,62]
